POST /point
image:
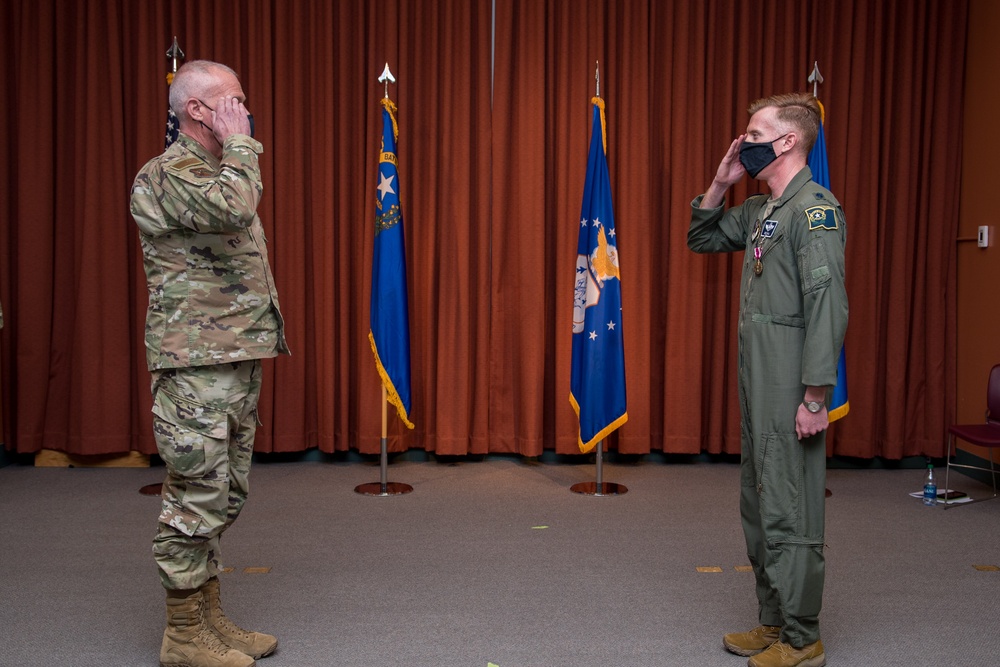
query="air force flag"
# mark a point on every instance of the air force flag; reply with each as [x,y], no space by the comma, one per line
[597,382]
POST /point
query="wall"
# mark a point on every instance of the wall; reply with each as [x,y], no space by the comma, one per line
[979,269]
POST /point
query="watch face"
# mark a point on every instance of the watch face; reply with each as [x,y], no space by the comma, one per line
[813,406]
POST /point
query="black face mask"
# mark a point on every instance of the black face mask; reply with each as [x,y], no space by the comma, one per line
[756,156]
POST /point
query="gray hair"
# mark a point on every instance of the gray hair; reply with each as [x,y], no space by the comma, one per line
[194,79]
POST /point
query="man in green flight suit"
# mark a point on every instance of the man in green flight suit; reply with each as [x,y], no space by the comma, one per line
[791,325]
[213,315]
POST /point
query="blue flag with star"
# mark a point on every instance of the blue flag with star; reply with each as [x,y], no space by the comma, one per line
[390,321]
[820,167]
[597,381]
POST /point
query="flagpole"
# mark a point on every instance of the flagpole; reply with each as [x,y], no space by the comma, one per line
[170,136]
[815,78]
[173,54]
[600,468]
[384,443]
[384,487]
[600,487]
[840,404]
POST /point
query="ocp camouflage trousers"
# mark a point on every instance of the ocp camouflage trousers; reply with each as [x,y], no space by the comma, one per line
[204,420]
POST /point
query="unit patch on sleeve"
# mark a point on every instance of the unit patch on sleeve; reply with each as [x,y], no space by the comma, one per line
[822,217]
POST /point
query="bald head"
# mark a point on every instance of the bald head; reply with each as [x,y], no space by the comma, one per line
[198,79]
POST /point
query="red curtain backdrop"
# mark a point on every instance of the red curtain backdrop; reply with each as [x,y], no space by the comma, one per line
[494,122]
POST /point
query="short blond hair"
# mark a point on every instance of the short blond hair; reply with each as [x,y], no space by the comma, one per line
[800,110]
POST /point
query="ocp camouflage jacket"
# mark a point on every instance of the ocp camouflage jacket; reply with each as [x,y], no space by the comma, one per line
[212,297]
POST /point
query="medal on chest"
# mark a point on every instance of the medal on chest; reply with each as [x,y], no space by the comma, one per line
[757,239]
[761,232]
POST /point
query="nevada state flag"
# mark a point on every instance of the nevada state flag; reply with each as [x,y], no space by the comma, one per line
[390,319]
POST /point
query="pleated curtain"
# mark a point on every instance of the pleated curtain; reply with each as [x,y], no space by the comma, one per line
[494,109]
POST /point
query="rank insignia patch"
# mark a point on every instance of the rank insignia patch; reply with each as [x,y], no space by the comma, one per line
[821,217]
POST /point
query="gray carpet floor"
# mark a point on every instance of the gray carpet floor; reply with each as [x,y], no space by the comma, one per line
[492,562]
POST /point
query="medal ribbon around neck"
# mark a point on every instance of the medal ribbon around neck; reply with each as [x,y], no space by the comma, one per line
[758,252]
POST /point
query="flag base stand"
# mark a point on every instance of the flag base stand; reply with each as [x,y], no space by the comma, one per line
[606,489]
[383,487]
[599,488]
[379,489]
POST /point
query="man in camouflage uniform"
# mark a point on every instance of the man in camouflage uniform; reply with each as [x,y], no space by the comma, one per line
[213,315]
[791,325]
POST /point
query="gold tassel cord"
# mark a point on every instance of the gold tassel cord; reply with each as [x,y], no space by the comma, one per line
[391,393]
[604,127]
[391,108]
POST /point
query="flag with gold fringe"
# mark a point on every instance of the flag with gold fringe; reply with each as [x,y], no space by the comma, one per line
[820,167]
[390,324]
[597,382]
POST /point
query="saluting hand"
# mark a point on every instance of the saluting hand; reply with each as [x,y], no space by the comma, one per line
[729,173]
[230,117]
[731,170]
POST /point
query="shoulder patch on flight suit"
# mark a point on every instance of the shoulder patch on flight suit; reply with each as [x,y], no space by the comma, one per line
[822,216]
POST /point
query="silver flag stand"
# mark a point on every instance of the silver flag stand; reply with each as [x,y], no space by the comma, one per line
[600,487]
[383,487]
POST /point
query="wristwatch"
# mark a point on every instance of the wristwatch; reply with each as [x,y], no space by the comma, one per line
[812,406]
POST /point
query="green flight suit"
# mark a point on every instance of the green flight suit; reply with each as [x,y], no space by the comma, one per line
[791,326]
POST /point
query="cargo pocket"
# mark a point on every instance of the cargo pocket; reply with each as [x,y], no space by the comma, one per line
[814,266]
[191,438]
[179,520]
[780,471]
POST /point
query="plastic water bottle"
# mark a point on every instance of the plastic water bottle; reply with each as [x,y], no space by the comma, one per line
[930,486]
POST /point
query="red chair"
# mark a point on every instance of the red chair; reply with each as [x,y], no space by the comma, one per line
[983,435]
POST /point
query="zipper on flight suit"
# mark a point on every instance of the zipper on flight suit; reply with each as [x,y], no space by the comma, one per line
[763,455]
[763,460]
[746,302]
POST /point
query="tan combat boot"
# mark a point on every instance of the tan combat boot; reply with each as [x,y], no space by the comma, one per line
[187,641]
[255,644]
[753,642]
[780,654]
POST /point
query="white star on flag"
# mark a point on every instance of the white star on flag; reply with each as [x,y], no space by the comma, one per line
[611,325]
[385,184]
[593,335]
